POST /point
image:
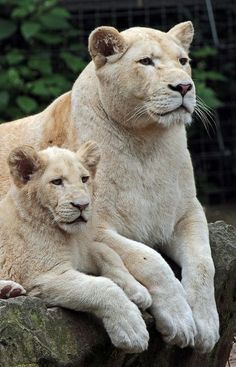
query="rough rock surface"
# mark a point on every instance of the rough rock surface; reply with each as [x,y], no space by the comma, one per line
[32,335]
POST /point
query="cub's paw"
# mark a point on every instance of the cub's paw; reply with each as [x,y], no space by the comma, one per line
[10,289]
[139,295]
[127,328]
[174,318]
[207,322]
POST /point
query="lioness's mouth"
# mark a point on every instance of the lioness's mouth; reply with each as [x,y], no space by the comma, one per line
[182,107]
[79,219]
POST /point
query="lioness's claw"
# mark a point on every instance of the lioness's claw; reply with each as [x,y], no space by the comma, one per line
[127,329]
[139,295]
[174,319]
[207,322]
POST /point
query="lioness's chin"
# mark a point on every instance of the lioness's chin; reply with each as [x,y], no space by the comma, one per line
[180,116]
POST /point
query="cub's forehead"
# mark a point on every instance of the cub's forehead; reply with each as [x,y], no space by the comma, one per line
[53,154]
[62,161]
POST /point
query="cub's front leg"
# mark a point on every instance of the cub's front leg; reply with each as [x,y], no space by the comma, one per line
[170,308]
[191,250]
[100,296]
[10,289]
[111,266]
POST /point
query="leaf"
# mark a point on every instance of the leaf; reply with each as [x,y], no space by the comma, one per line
[208,95]
[24,71]
[4,99]
[7,28]
[216,76]
[204,52]
[49,39]
[14,77]
[30,29]
[41,64]
[40,88]
[14,57]
[27,104]
[74,63]
[52,20]
[3,78]
[60,12]
[20,13]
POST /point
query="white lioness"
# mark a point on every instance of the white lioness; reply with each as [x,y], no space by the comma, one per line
[46,237]
[134,99]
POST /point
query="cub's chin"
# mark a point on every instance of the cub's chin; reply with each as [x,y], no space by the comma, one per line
[76,226]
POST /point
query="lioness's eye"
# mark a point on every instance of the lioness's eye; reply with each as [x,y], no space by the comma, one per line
[183,60]
[146,61]
[57,181]
[84,179]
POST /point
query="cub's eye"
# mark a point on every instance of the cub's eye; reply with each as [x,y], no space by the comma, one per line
[146,61]
[57,181]
[183,60]
[84,179]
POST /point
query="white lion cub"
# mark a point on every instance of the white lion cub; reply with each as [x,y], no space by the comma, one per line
[47,243]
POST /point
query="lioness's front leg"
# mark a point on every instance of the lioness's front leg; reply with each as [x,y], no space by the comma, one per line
[191,250]
[170,308]
[100,296]
[111,266]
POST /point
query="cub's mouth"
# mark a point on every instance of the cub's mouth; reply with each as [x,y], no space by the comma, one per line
[79,219]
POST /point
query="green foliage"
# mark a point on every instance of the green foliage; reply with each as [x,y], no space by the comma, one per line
[206,80]
[40,55]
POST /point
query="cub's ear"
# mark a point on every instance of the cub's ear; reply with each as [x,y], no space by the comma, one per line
[183,33]
[106,43]
[89,156]
[23,161]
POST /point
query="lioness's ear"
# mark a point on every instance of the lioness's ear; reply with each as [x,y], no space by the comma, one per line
[23,161]
[183,32]
[106,43]
[89,156]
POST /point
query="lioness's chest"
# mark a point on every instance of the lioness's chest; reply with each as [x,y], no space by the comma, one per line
[141,194]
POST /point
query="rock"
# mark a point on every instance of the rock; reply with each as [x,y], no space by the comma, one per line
[32,335]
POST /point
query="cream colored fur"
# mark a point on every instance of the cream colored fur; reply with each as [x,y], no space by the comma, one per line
[48,252]
[146,194]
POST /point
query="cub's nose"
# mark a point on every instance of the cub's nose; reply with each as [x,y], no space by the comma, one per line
[181,88]
[79,205]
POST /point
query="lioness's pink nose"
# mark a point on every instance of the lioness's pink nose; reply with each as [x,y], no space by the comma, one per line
[79,205]
[181,88]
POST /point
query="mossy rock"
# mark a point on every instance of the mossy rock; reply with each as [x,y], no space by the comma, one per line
[33,336]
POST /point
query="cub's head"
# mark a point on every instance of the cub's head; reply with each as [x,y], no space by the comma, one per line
[56,182]
[144,74]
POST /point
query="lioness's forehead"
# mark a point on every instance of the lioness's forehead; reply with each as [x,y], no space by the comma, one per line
[151,40]
[143,33]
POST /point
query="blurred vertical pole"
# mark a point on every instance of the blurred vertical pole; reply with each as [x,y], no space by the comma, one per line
[212,22]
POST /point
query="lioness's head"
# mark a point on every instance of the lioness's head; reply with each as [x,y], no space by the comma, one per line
[57,181]
[144,74]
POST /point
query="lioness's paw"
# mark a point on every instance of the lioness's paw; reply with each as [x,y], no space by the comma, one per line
[139,295]
[127,329]
[207,322]
[10,289]
[174,318]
